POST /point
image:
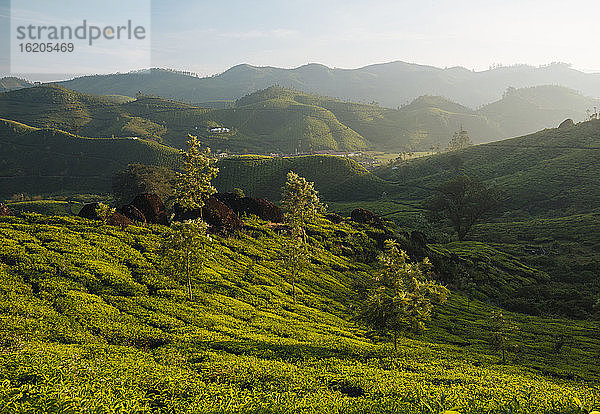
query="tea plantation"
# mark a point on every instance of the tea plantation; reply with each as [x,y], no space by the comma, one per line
[92,321]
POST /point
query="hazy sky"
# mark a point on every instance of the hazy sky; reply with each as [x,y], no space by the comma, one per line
[210,36]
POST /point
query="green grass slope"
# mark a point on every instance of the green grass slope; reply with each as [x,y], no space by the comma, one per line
[548,216]
[335,178]
[552,172]
[91,321]
[42,161]
[87,115]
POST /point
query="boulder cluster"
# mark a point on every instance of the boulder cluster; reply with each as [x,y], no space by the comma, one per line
[222,212]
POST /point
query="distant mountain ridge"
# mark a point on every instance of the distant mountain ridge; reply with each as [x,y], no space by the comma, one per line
[391,84]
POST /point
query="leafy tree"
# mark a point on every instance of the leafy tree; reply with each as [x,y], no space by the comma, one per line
[300,202]
[500,329]
[183,249]
[139,178]
[104,212]
[460,140]
[193,186]
[402,295]
[296,257]
[462,201]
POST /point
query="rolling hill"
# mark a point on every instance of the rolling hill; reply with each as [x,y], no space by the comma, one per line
[527,110]
[552,172]
[335,178]
[548,215]
[50,161]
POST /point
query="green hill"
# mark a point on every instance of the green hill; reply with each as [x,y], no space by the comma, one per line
[42,161]
[93,321]
[528,110]
[82,114]
[552,172]
[287,121]
[336,178]
[548,214]
[271,120]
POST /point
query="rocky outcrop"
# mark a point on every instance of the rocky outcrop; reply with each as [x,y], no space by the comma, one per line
[220,217]
[260,207]
[152,207]
[364,216]
[118,219]
[567,123]
[133,213]
[5,211]
[215,213]
[90,211]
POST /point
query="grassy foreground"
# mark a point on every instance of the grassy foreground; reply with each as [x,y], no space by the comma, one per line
[90,321]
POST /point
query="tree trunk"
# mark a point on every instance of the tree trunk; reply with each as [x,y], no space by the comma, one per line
[294,289]
[395,342]
[187,270]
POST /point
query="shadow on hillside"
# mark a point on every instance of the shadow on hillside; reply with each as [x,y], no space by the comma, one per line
[290,352]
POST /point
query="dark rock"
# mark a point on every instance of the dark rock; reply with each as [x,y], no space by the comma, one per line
[364,216]
[89,211]
[215,213]
[5,211]
[152,208]
[231,200]
[133,213]
[418,239]
[118,219]
[260,207]
[219,216]
[334,218]
[567,123]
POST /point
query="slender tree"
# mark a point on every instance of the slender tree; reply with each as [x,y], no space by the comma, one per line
[301,204]
[183,250]
[183,247]
[193,186]
[460,140]
[500,329]
[401,296]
